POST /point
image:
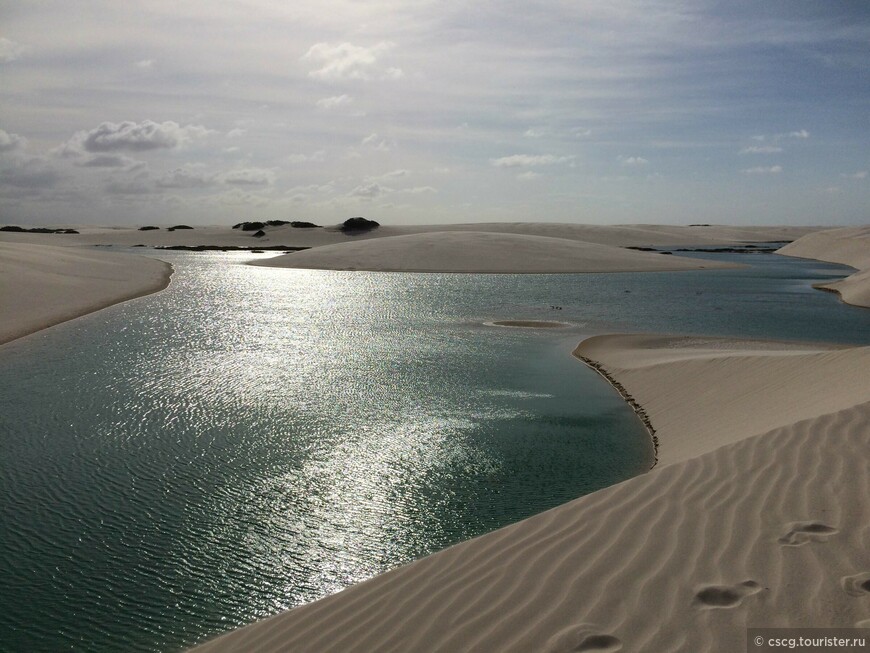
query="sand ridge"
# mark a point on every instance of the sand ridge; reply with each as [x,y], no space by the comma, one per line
[483,252]
[767,530]
[43,285]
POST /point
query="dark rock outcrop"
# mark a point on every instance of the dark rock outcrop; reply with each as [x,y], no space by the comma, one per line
[358,225]
[37,230]
[148,228]
[298,224]
[179,226]
[259,234]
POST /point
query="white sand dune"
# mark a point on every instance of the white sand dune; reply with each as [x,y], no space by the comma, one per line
[471,251]
[43,285]
[732,531]
[849,246]
[613,235]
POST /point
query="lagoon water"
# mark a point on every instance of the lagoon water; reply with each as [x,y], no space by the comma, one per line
[252,438]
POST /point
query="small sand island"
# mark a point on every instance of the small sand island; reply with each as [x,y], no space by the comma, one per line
[531,324]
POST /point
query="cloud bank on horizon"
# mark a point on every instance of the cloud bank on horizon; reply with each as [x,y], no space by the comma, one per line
[599,112]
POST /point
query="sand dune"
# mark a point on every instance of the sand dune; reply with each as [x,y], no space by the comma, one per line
[613,235]
[849,246]
[471,251]
[45,285]
[767,530]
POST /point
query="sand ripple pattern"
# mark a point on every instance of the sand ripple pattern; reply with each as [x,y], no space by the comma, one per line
[634,567]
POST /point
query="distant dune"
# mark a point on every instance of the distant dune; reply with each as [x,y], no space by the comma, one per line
[849,246]
[470,251]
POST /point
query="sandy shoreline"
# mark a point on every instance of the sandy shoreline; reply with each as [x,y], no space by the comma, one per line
[760,519]
[44,285]
[848,246]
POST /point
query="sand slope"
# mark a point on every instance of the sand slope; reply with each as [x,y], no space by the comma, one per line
[769,530]
[849,246]
[42,285]
[471,251]
[613,235]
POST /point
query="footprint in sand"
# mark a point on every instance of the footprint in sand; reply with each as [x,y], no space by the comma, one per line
[584,637]
[801,532]
[725,596]
[857,585]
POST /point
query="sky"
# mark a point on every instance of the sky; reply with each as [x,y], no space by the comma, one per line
[435,111]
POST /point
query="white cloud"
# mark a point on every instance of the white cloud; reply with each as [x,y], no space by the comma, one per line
[11,142]
[334,101]
[761,149]
[248,177]
[633,161]
[861,174]
[803,133]
[133,137]
[185,177]
[348,61]
[109,161]
[416,190]
[238,197]
[145,64]
[236,133]
[320,155]
[10,50]
[373,140]
[368,191]
[535,132]
[762,170]
[393,174]
[528,175]
[528,160]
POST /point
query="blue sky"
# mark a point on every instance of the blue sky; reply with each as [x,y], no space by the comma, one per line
[435,111]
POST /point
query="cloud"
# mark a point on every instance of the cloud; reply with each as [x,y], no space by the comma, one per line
[534,132]
[633,161]
[861,174]
[761,149]
[109,161]
[348,61]
[381,144]
[368,191]
[528,160]
[11,142]
[528,175]
[416,190]
[185,177]
[762,170]
[10,50]
[236,133]
[145,64]
[132,137]
[248,177]
[320,155]
[238,197]
[393,174]
[334,101]
[803,133]
[29,172]
[129,187]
